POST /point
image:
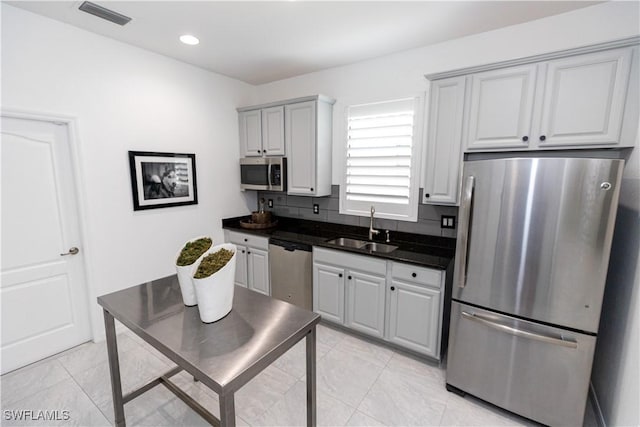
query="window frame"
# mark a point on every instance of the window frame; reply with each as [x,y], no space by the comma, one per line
[386,210]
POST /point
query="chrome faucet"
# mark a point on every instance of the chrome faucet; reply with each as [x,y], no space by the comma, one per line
[372,231]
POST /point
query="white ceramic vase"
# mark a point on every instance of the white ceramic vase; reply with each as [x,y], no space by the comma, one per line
[215,293]
[185,273]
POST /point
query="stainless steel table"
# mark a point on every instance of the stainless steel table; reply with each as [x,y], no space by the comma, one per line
[223,355]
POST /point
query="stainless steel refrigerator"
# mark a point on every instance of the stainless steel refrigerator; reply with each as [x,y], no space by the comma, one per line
[533,246]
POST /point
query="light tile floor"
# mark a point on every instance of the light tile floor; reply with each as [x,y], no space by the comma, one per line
[359,384]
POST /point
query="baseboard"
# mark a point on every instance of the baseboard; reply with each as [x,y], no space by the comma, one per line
[596,406]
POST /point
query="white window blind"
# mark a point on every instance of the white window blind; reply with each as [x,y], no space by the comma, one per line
[380,159]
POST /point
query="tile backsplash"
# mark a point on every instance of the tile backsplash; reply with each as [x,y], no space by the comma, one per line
[302,207]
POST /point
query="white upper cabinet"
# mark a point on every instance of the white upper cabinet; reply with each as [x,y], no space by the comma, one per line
[300,135]
[300,129]
[308,137]
[584,98]
[577,101]
[250,133]
[443,151]
[262,132]
[273,131]
[501,107]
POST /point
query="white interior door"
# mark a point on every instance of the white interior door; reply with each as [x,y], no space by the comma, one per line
[43,296]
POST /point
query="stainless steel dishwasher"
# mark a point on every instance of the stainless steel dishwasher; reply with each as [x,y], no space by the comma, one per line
[291,275]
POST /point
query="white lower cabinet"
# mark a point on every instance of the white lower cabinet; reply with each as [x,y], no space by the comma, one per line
[397,302]
[415,308]
[414,317]
[241,266]
[349,290]
[365,303]
[328,292]
[252,262]
[258,270]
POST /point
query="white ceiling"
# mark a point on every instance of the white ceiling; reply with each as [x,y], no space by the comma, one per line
[264,41]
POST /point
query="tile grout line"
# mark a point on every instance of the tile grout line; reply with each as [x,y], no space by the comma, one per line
[283,394]
[371,386]
[39,390]
[85,392]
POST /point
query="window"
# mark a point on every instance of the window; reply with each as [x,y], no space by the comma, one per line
[380,165]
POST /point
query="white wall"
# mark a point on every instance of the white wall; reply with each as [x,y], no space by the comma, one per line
[125,98]
[616,375]
[399,75]
[129,99]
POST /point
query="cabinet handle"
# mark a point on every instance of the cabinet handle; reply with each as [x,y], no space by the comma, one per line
[339,274]
[393,288]
[311,188]
[259,151]
[426,196]
[525,138]
[413,274]
[248,253]
[246,240]
[349,277]
[242,251]
[542,137]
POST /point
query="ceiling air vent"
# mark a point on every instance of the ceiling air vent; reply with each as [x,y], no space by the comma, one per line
[104,13]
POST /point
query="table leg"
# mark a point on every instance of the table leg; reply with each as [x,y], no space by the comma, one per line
[227,410]
[114,369]
[311,378]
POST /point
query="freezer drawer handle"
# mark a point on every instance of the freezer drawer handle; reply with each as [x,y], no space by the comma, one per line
[460,272]
[520,332]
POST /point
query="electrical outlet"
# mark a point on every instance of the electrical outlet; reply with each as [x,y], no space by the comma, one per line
[270,203]
[316,209]
[448,221]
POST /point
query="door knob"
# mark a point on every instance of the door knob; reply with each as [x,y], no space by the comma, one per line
[72,251]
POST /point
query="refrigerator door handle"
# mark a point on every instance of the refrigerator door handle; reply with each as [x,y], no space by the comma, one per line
[460,272]
[519,332]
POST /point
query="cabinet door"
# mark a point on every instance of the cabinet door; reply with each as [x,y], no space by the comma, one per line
[584,99]
[328,292]
[501,107]
[365,303]
[258,270]
[414,317]
[250,133]
[443,159]
[273,131]
[300,134]
[241,266]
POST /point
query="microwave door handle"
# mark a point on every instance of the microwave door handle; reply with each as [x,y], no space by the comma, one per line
[462,250]
[269,176]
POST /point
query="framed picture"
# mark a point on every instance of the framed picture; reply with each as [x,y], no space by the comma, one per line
[161,180]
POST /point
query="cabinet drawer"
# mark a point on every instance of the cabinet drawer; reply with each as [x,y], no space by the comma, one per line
[418,275]
[245,239]
[349,261]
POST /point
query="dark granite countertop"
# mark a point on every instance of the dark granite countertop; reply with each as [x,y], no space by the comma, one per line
[426,251]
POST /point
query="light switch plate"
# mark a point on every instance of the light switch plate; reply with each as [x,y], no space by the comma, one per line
[270,203]
[447,221]
[316,208]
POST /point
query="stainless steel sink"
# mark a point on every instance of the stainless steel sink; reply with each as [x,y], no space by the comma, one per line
[348,243]
[363,244]
[379,247]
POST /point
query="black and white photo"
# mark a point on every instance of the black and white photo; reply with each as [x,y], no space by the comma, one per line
[161,180]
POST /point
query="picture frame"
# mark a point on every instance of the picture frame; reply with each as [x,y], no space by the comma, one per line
[162,180]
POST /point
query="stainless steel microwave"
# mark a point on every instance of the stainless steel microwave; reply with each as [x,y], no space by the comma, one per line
[263,173]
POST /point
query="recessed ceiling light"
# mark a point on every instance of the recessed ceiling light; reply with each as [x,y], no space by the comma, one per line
[189,39]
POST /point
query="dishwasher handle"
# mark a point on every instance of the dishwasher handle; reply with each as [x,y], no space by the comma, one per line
[290,246]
